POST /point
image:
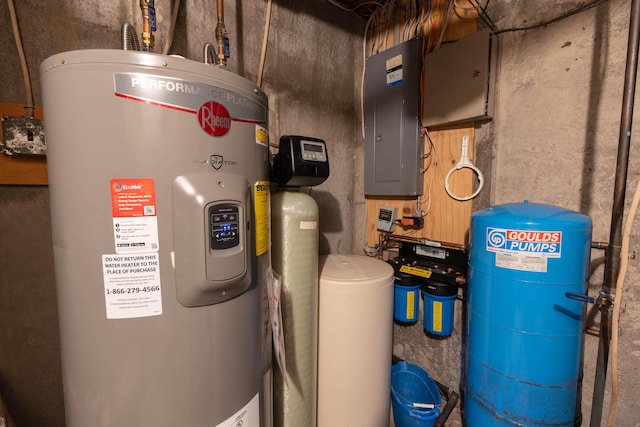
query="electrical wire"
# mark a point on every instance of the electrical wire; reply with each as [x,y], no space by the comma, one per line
[356,7]
[23,61]
[556,19]
[172,29]
[445,23]
[624,264]
[364,57]
[432,22]
[432,155]
[457,6]
[482,12]
[265,38]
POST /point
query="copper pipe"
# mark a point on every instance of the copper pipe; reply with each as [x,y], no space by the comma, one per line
[592,331]
[147,35]
[599,245]
[423,241]
[222,36]
[220,5]
[612,263]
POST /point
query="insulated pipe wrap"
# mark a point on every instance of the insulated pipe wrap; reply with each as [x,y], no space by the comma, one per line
[294,252]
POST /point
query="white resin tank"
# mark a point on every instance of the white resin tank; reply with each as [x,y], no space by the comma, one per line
[355,331]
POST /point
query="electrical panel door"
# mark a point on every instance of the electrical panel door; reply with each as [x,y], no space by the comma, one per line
[393,144]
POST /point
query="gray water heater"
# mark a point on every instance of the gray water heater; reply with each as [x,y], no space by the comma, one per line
[158,175]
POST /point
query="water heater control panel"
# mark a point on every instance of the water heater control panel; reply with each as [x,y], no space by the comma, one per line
[226,256]
[224,225]
[211,237]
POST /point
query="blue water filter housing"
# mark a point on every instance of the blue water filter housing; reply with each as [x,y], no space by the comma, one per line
[439,308]
[524,336]
[406,297]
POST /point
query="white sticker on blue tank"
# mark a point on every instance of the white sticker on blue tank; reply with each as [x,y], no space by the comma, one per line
[521,262]
[524,250]
[547,244]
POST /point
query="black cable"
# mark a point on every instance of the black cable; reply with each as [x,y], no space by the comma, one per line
[556,19]
[484,12]
[484,16]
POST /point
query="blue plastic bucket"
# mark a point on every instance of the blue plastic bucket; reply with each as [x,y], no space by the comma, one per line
[412,386]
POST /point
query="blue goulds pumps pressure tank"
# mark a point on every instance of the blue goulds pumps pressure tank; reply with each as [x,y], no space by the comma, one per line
[524,336]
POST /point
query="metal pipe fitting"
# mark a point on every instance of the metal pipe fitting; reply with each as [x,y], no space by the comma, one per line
[147,33]
[128,37]
[222,36]
[207,54]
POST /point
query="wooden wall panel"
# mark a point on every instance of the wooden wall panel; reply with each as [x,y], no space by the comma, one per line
[448,219]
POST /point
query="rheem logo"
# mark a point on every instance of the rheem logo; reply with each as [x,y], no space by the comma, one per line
[214,118]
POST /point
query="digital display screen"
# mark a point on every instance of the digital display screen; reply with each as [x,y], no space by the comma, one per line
[312,147]
[385,215]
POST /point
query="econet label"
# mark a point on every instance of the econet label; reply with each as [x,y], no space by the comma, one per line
[135,221]
[546,244]
[214,118]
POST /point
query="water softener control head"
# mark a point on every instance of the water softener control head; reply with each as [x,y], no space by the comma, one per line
[301,162]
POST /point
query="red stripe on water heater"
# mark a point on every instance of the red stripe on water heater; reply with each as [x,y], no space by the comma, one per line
[157,104]
[183,109]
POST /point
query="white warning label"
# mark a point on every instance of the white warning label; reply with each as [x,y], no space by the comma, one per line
[138,234]
[516,261]
[132,285]
[394,70]
[248,416]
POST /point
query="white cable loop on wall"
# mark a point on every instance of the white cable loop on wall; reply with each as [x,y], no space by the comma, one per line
[462,164]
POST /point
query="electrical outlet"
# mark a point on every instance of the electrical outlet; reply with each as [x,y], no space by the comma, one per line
[23,136]
[412,221]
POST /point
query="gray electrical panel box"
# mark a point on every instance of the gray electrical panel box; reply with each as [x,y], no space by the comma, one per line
[459,81]
[393,145]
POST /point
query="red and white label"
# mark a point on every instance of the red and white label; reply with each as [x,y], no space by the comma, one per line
[133,197]
[214,118]
[535,236]
[135,222]
[525,250]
